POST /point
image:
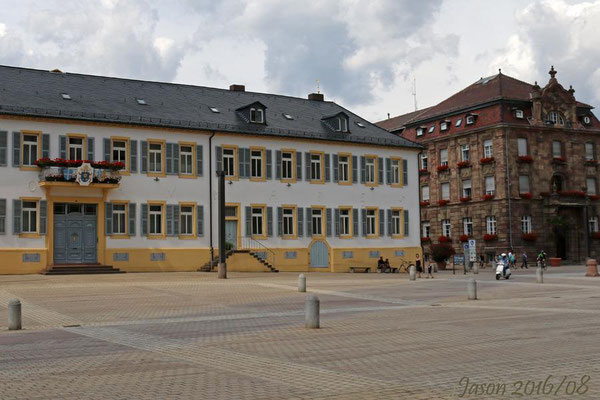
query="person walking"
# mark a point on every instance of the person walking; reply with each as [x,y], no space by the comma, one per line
[524,260]
[430,271]
[419,268]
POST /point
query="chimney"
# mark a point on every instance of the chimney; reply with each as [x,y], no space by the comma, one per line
[237,88]
[316,97]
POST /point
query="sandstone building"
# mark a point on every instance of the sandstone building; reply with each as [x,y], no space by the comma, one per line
[510,164]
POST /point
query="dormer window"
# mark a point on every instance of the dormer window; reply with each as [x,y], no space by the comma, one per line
[555,118]
[458,122]
[519,114]
[65,96]
[342,124]
[444,125]
[470,120]
[420,131]
[431,128]
[257,115]
[586,120]
[337,122]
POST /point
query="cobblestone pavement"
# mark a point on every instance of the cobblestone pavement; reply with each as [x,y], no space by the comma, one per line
[189,335]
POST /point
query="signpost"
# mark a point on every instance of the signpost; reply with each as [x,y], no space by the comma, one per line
[472,250]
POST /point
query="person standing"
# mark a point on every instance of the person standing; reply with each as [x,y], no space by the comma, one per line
[419,268]
[524,259]
[430,271]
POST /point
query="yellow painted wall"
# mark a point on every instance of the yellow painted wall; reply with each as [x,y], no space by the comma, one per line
[175,259]
[244,262]
[11,261]
[361,257]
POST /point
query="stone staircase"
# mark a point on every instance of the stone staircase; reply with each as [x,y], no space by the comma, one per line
[249,258]
[81,269]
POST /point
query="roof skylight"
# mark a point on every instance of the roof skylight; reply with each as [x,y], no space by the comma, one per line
[288,116]
[65,96]
[141,102]
[360,124]
[214,109]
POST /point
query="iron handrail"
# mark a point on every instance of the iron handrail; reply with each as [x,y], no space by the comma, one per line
[249,243]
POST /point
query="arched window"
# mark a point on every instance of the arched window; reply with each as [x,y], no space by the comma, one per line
[555,118]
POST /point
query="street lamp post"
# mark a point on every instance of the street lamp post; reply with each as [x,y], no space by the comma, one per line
[222,268]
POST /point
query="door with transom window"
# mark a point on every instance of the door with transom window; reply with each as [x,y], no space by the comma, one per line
[75,233]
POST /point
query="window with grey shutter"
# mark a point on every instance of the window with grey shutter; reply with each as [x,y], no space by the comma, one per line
[144,156]
[336,218]
[248,221]
[328,221]
[363,169]
[106,148]
[170,212]
[16,158]
[327,168]
[200,219]
[247,162]
[335,167]
[389,222]
[269,164]
[309,231]
[406,225]
[219,158]
[298,166]
[2,216]
[405,172]
[108,219]
[380,167]
[388,171]
[279,221]
[363,215]
[277,164]
[199,155]
[16,216]
[3,148]
[62,147]
[307,162]
[242,163]
[176,158]
[133,150]
[45,145]
[355,221]
[354,169]
[300,221]
[169,164]
[176,220]
[43,217]
[381,223]
[90,149]
[269,221]
[131,219]
[144,219]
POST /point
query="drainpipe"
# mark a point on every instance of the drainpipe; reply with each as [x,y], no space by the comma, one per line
[510,233]
[210,202]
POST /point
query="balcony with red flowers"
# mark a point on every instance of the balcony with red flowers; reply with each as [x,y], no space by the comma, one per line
[60,172]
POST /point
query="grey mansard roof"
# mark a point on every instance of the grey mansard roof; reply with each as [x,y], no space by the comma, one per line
[37,93]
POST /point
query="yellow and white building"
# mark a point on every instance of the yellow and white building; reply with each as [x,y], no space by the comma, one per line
[309,184]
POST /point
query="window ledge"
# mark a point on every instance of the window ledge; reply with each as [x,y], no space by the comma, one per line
[187,237]
[30,235]
[119,236]
[156,237]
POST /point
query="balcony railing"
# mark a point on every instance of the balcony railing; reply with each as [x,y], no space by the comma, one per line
[60,170]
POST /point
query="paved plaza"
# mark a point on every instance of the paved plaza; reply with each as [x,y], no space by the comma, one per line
[189,335]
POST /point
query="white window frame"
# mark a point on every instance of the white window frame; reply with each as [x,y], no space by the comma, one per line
[526,226]
[287,165]
[467,188]
[155,158]
[343,168]
[77,148]
[395,171]
[396,222]
[186,220]
[119,219]
[491,225]
[315,167]
[519,114]
[370,170]
[424,161]
[289,223]
[229,162]
[468,226]
[490,188]
[444,126]
[30,149]
[258,219]
[257,115]
[446,228]
[426,229]
[186,159]
[593,224]
[464,152]
[488,148]
[470,120]
[155,219]
[522,148]
[592,186]
[444,157]
[317,221]
[29,216]
[445,191]
[256,164]
[425,193]
[345,222]
[119,151]
[371,222]
[420,131]
[590,153]
[524,184]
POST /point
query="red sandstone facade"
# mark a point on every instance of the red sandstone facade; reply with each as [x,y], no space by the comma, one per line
[512,165]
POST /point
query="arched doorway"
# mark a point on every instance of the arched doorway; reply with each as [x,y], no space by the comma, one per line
[319,255]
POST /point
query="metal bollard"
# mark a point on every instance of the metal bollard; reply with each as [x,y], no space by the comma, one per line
[302,283]
[475,269]
[412,274]
[539,275]
[14,315]
[312,312]
[472,289]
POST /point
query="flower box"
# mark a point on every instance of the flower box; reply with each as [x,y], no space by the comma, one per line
[486,160]
[424,203]
[596,236]
[529,237]
[526,159]
[572,193]
[443,202]
[464,164]
[559,160]
[594,197]
[442,168]
[423,171]
[527,195]
[488,237]
[465,199]
[487,197]
[465,238]
[591,162]
[59,162]
[444,239]
[425,239]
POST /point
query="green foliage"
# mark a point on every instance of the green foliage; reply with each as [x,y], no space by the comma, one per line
[441,252]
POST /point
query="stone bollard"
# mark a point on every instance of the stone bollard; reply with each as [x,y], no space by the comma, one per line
[302,283]
[435,267]
[539,275]
[311,319]
[412,274]
[14,315]
[592,267]
[472,289]
[475,269]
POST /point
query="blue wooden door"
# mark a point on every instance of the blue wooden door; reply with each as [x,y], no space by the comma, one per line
[75,234]
[319,255]
[231,233]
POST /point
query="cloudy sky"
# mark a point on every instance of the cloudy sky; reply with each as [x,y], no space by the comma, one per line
[365,54]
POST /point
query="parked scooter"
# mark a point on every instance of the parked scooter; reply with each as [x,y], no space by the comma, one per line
[500,273]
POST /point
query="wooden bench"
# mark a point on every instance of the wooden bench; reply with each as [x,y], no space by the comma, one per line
[360,269]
